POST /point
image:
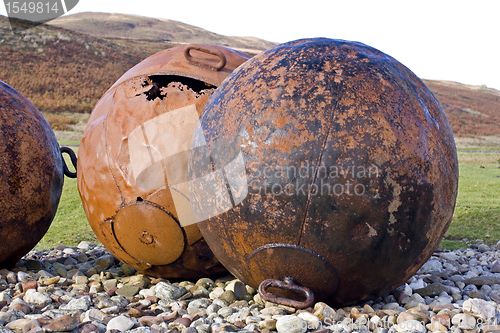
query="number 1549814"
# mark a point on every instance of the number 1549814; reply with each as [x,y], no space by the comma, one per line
[32,7]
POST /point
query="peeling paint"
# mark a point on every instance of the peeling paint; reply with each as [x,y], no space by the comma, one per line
[395,203]
[371,231]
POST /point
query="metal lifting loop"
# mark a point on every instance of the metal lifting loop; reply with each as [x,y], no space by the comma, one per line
[204,62]
[73,158]
[288,285]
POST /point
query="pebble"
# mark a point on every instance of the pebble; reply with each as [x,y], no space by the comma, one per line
[464,321]
[313,322]
[120,323]
[36,298]
[291,324]
[434,289]
[80,303]
[228,296]
[410,326]
[64,323]
[269,323]
[238,288]
[432,265]
[167,291]
[127,290]
[481,309]
[86,289]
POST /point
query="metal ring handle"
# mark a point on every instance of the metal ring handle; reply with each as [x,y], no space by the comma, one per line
[73,158]
[203,62]
[289,285]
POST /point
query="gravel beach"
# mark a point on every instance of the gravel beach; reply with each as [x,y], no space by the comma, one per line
[85,289]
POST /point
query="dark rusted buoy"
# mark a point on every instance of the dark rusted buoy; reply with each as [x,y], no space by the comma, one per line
[133,160]
[31,175]
[331,166]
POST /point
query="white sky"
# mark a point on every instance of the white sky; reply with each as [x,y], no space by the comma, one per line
[452,40]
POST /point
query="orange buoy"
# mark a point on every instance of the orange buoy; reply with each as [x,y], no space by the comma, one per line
[133,160]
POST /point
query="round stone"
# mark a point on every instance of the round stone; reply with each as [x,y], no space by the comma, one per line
[291,324]
[464,321]
[36,298]
[80,303]
[120,323]
[313,322]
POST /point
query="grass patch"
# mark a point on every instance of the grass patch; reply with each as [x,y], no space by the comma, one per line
[69,143]
[452,245]
[70,225]
[479,149]
[478,142]
[477,212]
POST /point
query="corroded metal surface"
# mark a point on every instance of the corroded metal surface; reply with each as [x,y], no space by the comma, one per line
[31,175]
[133,153]
[351,169]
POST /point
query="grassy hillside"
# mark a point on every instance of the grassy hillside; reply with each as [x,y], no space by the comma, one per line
[60,70]
[470,109]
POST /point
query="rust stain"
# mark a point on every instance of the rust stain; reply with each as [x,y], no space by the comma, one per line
[31,178]
[337,105]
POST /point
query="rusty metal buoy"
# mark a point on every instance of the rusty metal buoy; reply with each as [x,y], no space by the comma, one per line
[326,164]
[31,175]
[133,156]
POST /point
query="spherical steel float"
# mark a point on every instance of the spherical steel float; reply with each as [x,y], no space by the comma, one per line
[332,167]
[31,175]
[133,155]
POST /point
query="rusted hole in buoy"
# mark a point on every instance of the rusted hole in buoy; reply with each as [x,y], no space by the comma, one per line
[158,82]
